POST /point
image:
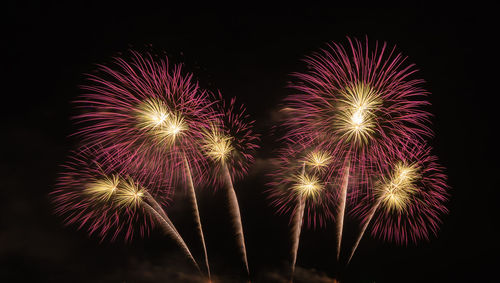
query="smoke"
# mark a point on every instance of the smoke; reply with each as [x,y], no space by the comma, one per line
[301,275]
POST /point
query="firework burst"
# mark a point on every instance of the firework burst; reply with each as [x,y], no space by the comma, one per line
[229,145]
[229,141]
[92,195]
[304,173]
[94,192]
[361,104]
[146,112]
[149,114]
[408,198]
[302,187]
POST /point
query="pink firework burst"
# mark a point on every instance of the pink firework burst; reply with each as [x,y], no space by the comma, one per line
[304,174]
[409,197]
[229,141]
[360,102]
[146,112]
[94,191]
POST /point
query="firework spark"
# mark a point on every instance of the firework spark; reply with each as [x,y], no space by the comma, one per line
[307,186]
[130,194]
[302,172]
[216,145]
[319,160]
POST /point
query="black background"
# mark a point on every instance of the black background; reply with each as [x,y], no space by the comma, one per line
[247,51]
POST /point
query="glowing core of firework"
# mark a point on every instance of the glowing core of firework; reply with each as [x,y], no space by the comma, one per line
[102,189]
[396,191]
[152,114]
[125,193]
[175,125]
[217,146]
[357,119]
[129,194]
[307,186]
[318,159]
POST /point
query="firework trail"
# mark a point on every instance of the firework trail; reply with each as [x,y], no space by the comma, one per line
[296,230]
[301,186]
[171,231]
[343,198]
[234,210]
[194,203]
[363,229]
[156,206]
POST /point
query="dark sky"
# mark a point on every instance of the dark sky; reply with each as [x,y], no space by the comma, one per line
[247,51]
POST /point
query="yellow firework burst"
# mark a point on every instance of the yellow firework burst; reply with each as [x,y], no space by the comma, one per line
[396,191]
[307,186]
[318,159]
[152,115]
[357,106]
[174,126]
[216,145]
[163,124]
[102,189]
[129,193]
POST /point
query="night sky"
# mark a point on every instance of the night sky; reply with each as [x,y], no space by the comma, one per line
[247,51]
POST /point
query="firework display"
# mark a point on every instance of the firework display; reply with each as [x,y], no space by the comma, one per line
[354,145]
[362,106]
[142,116]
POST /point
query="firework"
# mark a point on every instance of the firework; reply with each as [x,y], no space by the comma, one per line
[296,174]
[145,111]
[302,181]
[229,145]
[94,193]
[408,198]
[229,140]
[361,104]
[149,114]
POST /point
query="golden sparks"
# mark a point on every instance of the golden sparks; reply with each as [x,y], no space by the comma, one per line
[129,194]
[155,117]
[216,145]
[318,159]
[357,113]
[152,114]
[307,186]
[102,189]
[396,191]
